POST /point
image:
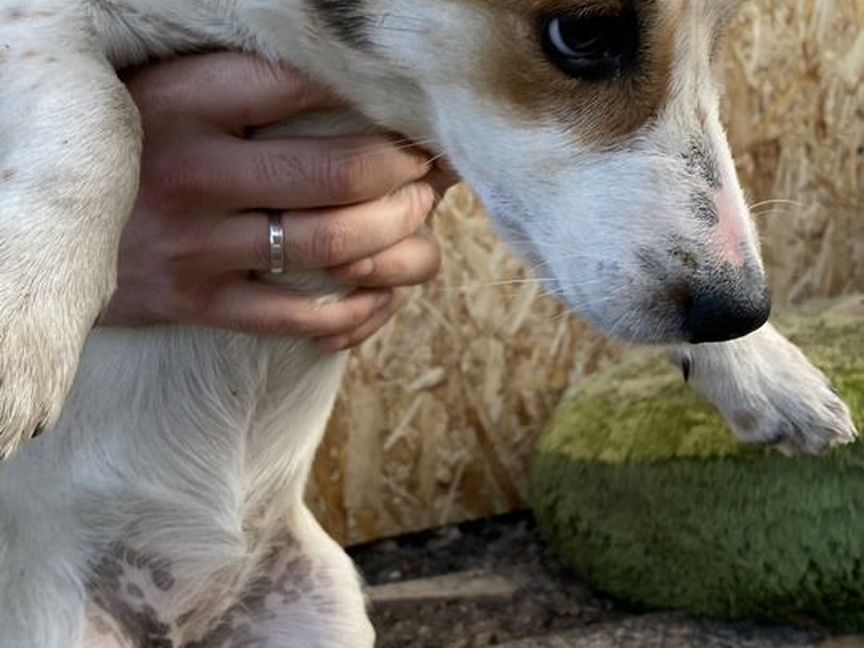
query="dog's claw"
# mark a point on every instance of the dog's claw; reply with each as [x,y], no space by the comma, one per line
[686,366]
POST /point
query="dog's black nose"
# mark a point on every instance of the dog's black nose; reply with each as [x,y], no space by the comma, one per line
[718,314]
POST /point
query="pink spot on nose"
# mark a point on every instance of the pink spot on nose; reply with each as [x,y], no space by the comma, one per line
[730,235]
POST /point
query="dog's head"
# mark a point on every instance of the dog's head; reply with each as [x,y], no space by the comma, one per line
[590,129]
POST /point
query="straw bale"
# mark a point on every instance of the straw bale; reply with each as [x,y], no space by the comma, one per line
[440,412]
[796,122]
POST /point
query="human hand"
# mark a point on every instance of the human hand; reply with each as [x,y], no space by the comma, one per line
[356,207]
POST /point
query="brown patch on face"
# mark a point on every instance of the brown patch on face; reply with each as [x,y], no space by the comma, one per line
[6,175]
[599,113]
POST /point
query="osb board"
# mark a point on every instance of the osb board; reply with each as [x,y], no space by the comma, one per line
[440,413]
[796,122]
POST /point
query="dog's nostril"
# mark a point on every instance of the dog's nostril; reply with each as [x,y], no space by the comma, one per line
[714,315]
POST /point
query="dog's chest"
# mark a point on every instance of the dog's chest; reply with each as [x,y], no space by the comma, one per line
[251,462]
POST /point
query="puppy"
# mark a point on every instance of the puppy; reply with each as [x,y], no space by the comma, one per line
[164,506]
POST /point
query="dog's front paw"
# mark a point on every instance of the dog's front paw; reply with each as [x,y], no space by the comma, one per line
[38,357]
[770,394]
[798,412]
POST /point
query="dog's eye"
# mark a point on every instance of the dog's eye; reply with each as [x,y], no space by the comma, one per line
[592,48]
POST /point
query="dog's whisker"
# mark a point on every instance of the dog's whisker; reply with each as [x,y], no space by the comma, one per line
[774,213]
[776,201]
[494,284]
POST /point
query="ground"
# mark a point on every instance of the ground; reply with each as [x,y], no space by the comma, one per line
[495,583]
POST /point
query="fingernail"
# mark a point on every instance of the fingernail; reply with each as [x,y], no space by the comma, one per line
[333,345]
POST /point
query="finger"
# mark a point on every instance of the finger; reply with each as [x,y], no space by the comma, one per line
[309,173]
[265,309]
[336,343]
[321,238]
[413,261]
[337,237]
[229,90]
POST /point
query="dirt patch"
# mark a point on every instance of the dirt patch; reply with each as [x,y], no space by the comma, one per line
[516,593]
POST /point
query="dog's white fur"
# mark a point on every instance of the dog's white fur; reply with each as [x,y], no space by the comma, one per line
[164,506]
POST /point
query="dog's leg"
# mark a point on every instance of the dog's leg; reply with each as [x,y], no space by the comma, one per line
[69,157]
[308,596]
[769,392]
[321,602]
[41,592]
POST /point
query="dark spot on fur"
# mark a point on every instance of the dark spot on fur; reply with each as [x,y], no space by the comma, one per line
[685,257]
[346,19]
[134,591]
[323,579]
[186,617]
[704,208]
[745,421]
[290,596]
[651,265]
[107,574]
[256,596]
[225,635]
[124,602]
[162,577]
[142,625]
[160,568]
[702,161]
[159,642]
[300,571]
[129,555]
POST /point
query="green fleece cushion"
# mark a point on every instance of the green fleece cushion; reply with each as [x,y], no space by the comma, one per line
[642,489]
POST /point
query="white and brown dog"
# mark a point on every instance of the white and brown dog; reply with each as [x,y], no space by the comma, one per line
[163,506]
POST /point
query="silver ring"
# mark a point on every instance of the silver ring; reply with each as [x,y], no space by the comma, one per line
[277,245]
